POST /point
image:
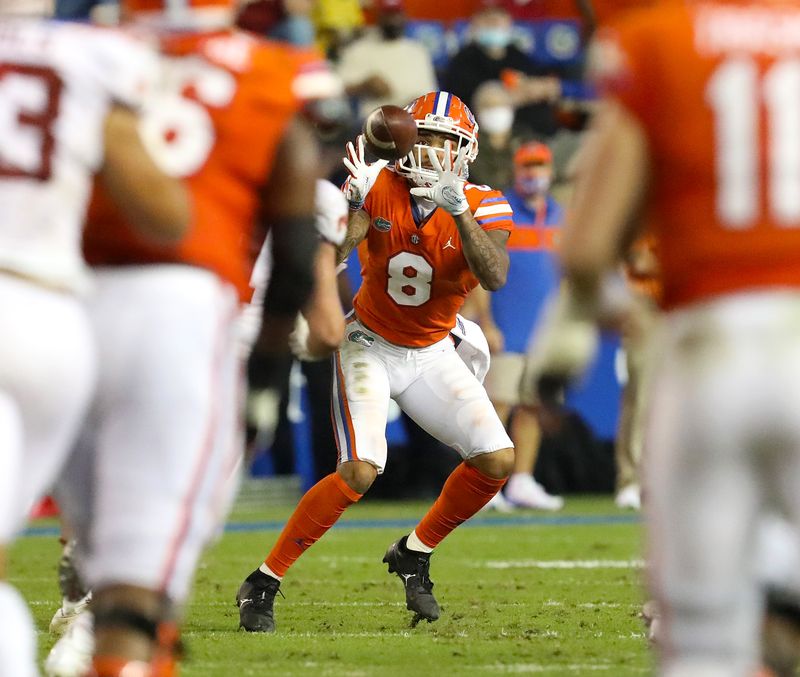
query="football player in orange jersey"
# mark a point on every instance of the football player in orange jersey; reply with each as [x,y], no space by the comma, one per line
[723,197]
[430,237]
[164,432]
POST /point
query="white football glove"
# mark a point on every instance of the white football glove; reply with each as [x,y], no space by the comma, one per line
[298,339]
[448,191]
[330,206]
[562,348]
[262,414]
[362,174]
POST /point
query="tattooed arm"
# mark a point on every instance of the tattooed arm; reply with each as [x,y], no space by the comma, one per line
[485,251]
[357,228]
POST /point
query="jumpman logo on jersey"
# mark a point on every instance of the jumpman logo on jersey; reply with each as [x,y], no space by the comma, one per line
[449,243]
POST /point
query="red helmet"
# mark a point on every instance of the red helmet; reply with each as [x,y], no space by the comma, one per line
[182,13]
[443,113]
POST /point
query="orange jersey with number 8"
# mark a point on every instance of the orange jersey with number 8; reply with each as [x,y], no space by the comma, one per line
[415,278]
[225,102]
[716,88]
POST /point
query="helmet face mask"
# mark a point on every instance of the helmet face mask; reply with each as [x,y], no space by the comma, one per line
[440,116]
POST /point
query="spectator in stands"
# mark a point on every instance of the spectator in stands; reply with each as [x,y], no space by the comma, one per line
[338,23]
[283,20]
[495,113]
[73,9]
[491,54]
[385,67]
[582,10]
[508,324]
[641,271]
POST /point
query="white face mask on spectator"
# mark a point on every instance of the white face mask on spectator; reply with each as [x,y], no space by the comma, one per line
[493,37]
[496,119]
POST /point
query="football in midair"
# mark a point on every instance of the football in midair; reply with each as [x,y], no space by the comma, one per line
[389,132]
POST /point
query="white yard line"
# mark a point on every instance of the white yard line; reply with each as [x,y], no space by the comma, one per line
[412,634]
[517,563]
[561,564]
[579,668]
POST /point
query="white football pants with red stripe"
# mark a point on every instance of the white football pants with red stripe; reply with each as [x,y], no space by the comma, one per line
[163,439]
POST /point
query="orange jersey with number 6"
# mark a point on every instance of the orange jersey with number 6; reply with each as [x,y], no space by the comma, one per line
[716,88]
[225,102]
[415,278]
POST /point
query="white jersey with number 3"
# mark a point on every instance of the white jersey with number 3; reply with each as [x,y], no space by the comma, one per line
[57,83]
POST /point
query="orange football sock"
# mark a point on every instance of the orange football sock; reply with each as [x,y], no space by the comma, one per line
[164,662]
[168,647]
[465,492]
[112,666]
[317,512]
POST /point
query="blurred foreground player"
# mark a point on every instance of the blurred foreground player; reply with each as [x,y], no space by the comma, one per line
[319,327]
[430,237]
[164,427]
[723,436]
[69,96]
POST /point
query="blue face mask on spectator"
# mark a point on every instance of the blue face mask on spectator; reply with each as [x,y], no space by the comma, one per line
[496,38]
[295,29]
[537,185]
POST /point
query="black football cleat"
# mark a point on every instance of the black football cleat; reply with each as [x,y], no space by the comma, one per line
[255,600]
[413,568]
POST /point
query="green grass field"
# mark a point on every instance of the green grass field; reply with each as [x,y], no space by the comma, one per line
[524,593]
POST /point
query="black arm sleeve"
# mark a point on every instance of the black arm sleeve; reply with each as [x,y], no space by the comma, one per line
[294,247]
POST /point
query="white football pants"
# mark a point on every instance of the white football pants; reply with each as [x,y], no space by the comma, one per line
[723,443]
[47,363]
[47,372]
[432,385]
[163,436]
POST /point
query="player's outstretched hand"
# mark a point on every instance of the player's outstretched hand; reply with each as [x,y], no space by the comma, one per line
[362,174]
[562,349]
[448,192]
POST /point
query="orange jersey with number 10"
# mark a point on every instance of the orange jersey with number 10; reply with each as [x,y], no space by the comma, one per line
[716,88]
[415,278]
[225,102]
